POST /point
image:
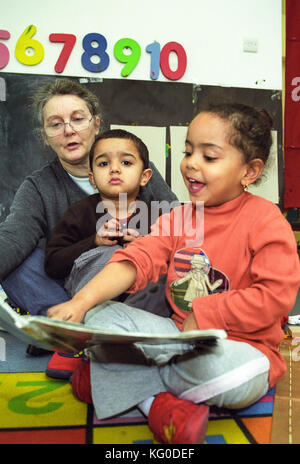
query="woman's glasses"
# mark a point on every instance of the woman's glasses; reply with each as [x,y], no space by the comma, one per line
[58,128]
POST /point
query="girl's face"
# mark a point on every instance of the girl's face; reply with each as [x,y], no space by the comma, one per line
[212,169]
[71,147]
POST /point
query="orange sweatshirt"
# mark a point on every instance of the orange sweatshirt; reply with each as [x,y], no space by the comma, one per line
[242,277]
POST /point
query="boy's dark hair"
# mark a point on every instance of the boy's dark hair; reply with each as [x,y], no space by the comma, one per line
[122,134]
[250,128]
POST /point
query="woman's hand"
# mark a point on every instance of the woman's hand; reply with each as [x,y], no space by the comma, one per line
[68,311]
[190,323]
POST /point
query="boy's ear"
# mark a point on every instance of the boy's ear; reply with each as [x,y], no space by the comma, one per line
[253,171]
[146,176]
[92,180]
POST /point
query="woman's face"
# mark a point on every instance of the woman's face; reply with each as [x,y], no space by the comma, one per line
[71,147]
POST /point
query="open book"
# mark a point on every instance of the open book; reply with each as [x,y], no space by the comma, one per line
[71,337]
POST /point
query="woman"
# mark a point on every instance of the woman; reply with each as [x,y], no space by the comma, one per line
[70,118]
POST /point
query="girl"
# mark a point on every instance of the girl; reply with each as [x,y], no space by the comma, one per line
[253,271]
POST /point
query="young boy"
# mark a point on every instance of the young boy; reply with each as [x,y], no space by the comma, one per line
[93,228]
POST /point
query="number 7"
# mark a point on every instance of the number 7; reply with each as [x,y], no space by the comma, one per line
[69,42]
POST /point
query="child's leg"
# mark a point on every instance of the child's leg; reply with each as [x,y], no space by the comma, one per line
[120,376]
[232,375]
[86,266]
[116,316]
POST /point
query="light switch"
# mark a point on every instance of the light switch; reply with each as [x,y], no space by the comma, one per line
[250,45]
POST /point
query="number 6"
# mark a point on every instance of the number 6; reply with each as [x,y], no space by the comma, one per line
[25,41]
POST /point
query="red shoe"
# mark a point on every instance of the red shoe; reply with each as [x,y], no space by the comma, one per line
[62,365]
[177,421]
[81,382]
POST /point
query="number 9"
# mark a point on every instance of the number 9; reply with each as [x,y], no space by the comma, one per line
[130,60]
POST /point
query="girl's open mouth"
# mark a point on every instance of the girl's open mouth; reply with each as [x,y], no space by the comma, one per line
[194,186]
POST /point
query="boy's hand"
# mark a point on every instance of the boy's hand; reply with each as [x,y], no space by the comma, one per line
[129,236]
[66,312]
[107,234]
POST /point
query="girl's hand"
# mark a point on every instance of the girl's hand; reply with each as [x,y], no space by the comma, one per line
[190,323]
[68,311]
[107,234]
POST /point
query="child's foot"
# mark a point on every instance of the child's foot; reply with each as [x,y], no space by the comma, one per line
[178,421]
[81,382]
[62,365]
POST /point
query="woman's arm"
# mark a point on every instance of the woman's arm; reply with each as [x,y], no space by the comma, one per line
[111,282]
[23,228]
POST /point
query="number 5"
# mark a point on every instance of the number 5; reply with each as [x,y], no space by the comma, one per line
[4,52]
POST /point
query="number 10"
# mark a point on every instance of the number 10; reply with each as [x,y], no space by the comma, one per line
[160,59]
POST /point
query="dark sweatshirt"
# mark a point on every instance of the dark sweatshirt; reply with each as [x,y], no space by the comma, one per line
[75,233]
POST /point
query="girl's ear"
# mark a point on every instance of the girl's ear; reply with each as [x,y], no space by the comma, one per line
[146,176]
[92,180]
[253,172]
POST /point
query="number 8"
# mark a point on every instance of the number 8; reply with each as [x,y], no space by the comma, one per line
[91,51]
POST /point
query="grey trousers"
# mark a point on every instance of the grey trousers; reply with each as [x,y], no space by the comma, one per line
[231,374]
[87,265]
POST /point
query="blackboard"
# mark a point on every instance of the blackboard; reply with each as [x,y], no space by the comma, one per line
[124,101]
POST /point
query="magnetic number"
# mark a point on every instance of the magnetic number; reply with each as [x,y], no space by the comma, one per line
[69,41]
[160,60]
[4,52]
[164,60]
[95,58]
[132,59]
[98,51]
[26,42]
[154,50]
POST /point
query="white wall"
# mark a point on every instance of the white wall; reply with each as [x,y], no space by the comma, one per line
[211,32]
